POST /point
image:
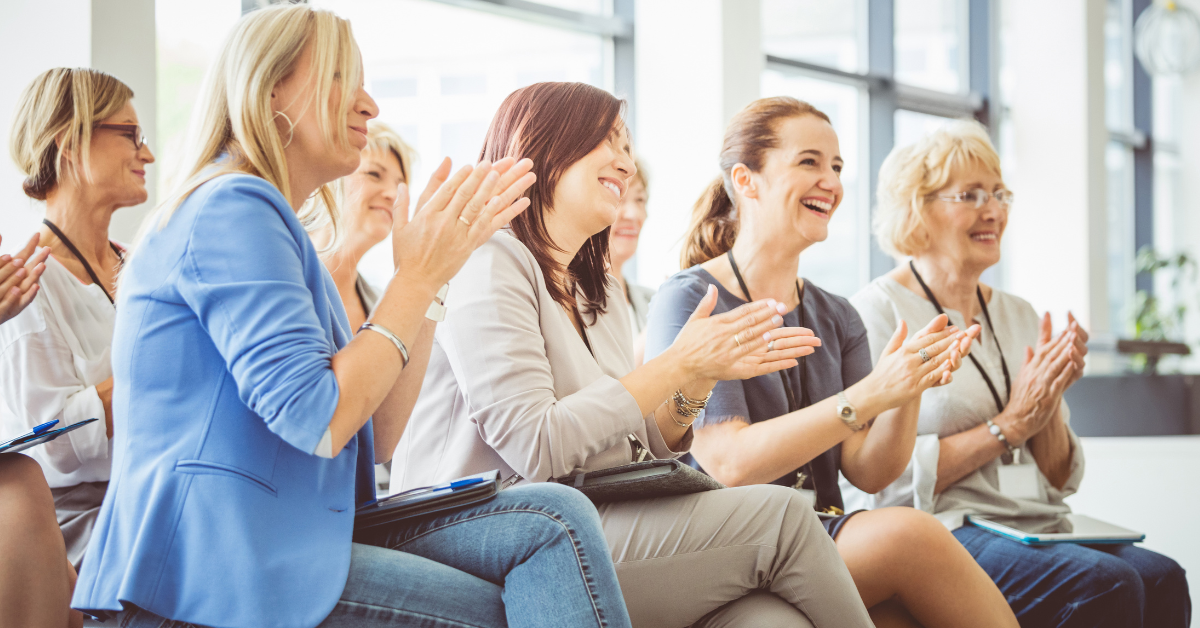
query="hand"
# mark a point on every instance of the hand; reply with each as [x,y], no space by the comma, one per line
[104,390]
[19,276]
[966,341]
[1037,393]
[431,248]
[902,374]
[1081,349]
[733,345]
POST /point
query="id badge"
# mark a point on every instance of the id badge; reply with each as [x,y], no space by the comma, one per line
[1019,481]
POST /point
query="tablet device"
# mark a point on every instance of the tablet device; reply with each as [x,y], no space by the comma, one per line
[39,436]
[1070,528]
[427,500]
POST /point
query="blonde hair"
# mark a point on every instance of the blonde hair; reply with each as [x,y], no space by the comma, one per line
[55,115]
[751,133]
[233,115]
[911,174]
[382,138]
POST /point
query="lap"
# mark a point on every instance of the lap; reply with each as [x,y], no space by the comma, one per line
[757,609]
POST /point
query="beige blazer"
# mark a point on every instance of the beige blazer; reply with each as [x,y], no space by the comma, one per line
[512,386]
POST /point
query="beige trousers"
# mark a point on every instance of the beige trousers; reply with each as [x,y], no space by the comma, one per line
[755,556]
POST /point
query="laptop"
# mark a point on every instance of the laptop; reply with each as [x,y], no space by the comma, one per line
[1069,528]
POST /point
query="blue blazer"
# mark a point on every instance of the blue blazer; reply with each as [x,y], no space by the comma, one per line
[218,513]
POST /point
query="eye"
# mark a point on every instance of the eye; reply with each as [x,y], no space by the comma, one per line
[808,161]
[837,168]
[373,174]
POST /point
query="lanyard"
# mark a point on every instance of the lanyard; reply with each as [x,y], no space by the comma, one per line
[986,316]
[79,256]
[803,474]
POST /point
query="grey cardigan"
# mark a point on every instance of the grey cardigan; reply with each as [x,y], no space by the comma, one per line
[512,386]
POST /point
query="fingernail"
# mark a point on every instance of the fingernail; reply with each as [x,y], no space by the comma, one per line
[767,336]
[781,308]
[778,320]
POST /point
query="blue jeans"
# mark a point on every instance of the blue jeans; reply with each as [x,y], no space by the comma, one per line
[1072,585]
[533,556]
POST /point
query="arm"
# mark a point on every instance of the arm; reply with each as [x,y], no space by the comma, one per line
[393,414]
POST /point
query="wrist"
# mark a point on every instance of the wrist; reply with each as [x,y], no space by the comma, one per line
[698,388]
[1011,426]
[867,404]
[416,285]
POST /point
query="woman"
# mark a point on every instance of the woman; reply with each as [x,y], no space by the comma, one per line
[532,373]
[372,198]
[246,407]
[997,441]
[622,246]
[77,140]
[777,192]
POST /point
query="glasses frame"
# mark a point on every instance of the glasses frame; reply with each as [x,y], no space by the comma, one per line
[139,140]
[981,197]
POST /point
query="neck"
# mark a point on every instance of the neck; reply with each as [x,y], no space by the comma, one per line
[565,236]
[342,263]
[302,181]
[84,221]
[769,265]
[953,284]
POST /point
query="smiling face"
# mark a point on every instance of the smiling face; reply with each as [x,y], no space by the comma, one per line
[295,97]
[958,232]
[371,197]
[593,187]
[631,216]
[118,170]
[800,186]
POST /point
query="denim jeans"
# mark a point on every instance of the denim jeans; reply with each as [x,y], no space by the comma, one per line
[534,556]
[1070,585]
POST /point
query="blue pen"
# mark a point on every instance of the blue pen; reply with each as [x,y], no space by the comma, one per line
[45,426]
[457,484]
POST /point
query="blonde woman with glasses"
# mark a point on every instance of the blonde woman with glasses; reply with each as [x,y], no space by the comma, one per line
[250,415]
[77,140]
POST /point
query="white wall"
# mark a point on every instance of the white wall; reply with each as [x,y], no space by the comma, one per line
[36,35]
[698,63]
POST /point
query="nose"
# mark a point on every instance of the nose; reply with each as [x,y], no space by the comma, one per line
[390,194]
[145,155]
[365,105]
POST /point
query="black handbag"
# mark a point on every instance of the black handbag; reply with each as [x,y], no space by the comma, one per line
[640,480]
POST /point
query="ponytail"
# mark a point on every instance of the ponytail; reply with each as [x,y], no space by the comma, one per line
[713,227]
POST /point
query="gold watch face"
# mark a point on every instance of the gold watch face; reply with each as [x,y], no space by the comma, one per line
[846,412]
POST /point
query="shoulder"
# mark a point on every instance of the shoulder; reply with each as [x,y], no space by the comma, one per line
[501,263]
[690,283]
[1017,311]
[237,193]
[828,303]
[639,292]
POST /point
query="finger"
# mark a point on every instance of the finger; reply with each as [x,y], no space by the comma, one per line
[1045,329]
[8,303]
[780,344]
[510,176]
[14,279]
[1063,380]
[505,200]
[766,368]
[787,332]
[7,269]
[32,278]
[1028,355]
[436,180]
[504,217]
[931,339]
[27,298]
[949,343]
[474,206]
[465,194]
[705,307]
[30,247]
[761,310]
[400,207]
[760,330]
[939,322]
[39,257]
[897,339]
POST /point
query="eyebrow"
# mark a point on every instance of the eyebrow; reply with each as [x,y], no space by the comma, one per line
[818,153]
[615,135]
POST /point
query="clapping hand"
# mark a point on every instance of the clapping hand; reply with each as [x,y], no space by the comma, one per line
[19,274]
[1048,370]
[456,214]
[907,369]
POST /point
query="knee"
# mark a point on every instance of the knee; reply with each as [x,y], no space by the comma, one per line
[21,481]
[912,531]
[1164,575]
[1118,582]
[562,502]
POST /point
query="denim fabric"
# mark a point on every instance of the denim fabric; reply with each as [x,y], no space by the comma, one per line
[533,557]
[1094,586]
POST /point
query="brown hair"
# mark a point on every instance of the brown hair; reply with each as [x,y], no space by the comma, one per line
[751,133]
[55,114]
[556,125]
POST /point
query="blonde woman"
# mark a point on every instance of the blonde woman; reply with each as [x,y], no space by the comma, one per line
[76,139]
[997,440]
[250,415]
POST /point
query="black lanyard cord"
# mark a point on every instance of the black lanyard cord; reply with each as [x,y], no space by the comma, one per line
[82,260]
[988,317]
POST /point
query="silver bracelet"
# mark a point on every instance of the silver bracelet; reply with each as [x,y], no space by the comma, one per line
[386,333]
[688,407]
[995,430]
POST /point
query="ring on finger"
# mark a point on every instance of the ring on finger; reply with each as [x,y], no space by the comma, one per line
[464,220]
[770,345]
[738,338]
[924,356]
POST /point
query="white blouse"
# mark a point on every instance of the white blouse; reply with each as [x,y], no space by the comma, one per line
[959,406]
[52,355]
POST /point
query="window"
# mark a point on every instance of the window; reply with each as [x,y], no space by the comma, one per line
[930,44]
[912,125]
[824,32]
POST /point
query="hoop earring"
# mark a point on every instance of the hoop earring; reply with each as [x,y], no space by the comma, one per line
[291,127]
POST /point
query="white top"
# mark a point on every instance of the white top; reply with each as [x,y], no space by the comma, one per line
[959,406]
[52,355]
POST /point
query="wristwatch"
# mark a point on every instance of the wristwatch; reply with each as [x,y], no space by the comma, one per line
[847,413]
[437,309]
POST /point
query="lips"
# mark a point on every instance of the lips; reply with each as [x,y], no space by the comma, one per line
[616,187]
[387,210]
[140,173]
[984,236]
[819,206]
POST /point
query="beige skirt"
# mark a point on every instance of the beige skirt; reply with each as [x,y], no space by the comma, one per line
[77,508]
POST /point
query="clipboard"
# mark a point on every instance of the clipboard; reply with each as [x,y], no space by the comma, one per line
[426,500]
[40,434]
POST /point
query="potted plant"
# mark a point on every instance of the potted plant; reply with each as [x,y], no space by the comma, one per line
[1155,322]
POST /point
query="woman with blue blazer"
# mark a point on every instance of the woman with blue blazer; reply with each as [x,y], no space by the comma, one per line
[249,416]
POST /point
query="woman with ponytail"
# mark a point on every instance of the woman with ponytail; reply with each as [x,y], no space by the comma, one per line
[833,413]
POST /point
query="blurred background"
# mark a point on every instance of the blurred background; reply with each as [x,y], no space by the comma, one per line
[1093,110]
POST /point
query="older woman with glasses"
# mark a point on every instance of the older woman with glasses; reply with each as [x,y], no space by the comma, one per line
[76,139]
[997,440]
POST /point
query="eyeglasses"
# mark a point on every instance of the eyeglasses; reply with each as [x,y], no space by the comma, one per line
[980,197]
[134,133]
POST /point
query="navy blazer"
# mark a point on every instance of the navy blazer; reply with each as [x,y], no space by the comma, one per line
[218,512]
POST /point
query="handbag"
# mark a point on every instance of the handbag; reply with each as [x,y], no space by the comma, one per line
[640,480]
[426,500]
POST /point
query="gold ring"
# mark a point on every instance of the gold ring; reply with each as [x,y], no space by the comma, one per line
[737,339]
[464,220]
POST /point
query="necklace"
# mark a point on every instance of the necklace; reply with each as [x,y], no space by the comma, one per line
[82,260]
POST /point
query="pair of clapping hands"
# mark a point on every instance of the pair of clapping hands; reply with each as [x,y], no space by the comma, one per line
[1050,368]
[19,274]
